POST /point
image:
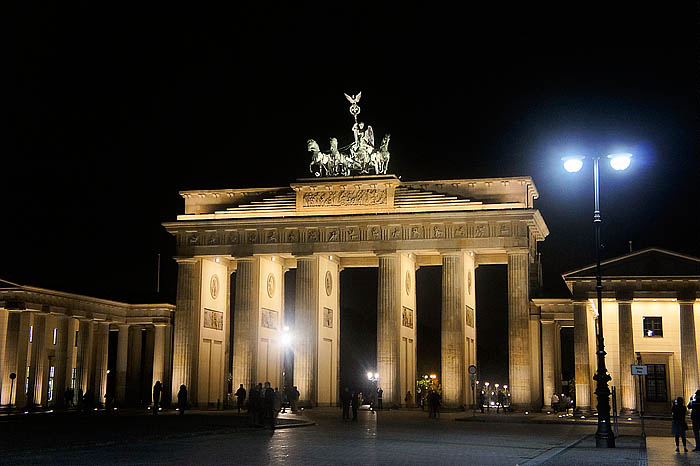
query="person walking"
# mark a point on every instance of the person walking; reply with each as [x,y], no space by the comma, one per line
[346,398]
[380,393]
[240,397]
[694,407]
[182,399]
[408,399]
[294,398]
[555,402]
[269,398]
[678,425]
[355,404]
[480,400]
[157,390]
[430,400]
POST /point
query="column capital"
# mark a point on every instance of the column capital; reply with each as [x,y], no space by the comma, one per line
[547,321]
[514,251]
[386,253]
[452,252]
[186,260]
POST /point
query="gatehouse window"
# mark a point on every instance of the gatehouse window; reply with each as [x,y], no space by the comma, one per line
[653,327]
[54,335]
[51,376]
[31,333]
[26,384]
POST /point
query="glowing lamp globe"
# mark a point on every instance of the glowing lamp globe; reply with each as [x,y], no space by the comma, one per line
[369,375]
[620,161]
[573,164]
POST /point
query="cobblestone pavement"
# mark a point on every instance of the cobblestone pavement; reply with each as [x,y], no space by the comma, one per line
[661,451]
[403,438]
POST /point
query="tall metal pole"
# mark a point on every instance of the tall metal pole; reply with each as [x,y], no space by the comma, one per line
[604,437]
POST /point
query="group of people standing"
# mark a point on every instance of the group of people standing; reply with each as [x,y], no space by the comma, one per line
[498,398]
[679,425]
[561,403]
[265,403]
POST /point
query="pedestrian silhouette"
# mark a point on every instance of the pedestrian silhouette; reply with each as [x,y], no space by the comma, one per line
[694,407]
[380,393]
[346,398]
[678,425]
[355,405]
[182,399]
[157,390]
[240,397]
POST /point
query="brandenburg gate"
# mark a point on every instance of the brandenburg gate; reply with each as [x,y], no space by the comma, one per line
[324,224]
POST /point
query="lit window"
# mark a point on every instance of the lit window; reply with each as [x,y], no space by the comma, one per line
[653,327]
[26,385]
[54,335]
[31,333]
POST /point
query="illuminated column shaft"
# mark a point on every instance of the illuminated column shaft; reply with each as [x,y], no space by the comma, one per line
[519,328]
[388,330]
[548,362]
[627,359]
[689,354]
[36,366]
[245,322]
[582,370]
[20,365]
[158,354]
[186,338]
[100,375]
[452,338]
[122,363]
[60,361]
[306,329]
[4,375]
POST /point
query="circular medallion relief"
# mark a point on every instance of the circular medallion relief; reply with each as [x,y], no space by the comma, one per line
[469,282]
[408,282]
[270,285]
[214,286]
[329,283]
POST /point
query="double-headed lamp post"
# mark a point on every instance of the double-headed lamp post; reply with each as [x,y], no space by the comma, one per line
[604,436]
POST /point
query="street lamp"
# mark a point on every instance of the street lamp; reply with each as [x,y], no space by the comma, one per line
[604,437]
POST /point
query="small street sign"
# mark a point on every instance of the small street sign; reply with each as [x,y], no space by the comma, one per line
[472,369]
[639,370]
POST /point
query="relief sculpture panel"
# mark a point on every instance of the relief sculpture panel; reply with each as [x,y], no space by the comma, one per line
[359,197]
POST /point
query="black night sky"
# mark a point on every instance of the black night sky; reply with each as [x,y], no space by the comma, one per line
[113,109]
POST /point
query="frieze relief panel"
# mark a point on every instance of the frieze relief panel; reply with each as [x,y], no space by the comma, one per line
[357,233]
[338,198]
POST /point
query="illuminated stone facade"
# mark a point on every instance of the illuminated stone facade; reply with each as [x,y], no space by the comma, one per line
[53,340]
[649,312]
[319,227]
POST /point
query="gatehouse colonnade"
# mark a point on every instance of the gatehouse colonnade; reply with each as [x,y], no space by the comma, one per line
[54,340]
[320,227]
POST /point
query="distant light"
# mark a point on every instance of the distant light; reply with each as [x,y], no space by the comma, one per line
[108,371]
[583,417]
[217,259]
[273,258]
[527,412]
[620,161]
[506,387]
[286,329]
[376,375]
[549,412]
[629,418]
[369,375]
[286,338]
[433,376]
[573,163]
[331,257]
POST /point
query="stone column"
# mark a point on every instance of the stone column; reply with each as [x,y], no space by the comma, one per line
[519,329]
[388,327]
[21,359]
[306,329]
[60,361]
[186,338]
[12,345]
[134,369]
[245,322]
[36,364]
[627,359]
[101,353]
[122,365]
[689,354]
[582,370]
[452,338]
[158,354]
[4,377]
[548,362]
[84,358]
[557,357]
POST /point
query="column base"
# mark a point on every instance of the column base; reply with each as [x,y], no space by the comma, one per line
[583,411]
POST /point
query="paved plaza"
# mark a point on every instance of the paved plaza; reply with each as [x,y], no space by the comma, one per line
[405,437]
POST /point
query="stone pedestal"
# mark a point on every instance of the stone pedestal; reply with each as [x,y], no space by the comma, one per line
[548,362]
[245,322]
[689,354]
[627,359]
[306,329]
[452,331]
[186,338]
[519,329]
[388,330]
[582,370]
